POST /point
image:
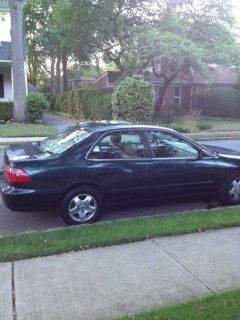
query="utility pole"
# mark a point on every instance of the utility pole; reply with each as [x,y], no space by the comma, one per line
[18,59]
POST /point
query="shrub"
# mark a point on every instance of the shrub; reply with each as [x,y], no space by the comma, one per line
[37,104]
[133,100]
[6,111]
[187,123]
[84,104]
[220,102]
[204,126]
[171,114]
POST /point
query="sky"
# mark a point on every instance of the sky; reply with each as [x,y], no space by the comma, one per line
[5,25]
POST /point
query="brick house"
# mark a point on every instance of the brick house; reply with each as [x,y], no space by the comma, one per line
[182,92]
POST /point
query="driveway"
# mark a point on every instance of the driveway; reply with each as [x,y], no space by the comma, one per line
[58,122]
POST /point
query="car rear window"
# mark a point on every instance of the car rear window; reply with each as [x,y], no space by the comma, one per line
[64,140]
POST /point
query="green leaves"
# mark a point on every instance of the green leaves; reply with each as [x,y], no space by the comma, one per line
[133,100]
[36,105]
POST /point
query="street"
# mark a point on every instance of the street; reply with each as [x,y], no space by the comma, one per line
[14,222]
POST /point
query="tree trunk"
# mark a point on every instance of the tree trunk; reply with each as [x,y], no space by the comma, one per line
[64,69]
[52,80]
[162,92]
[58,75]
[18,60]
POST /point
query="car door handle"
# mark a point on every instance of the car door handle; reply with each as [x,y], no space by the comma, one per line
[161,171]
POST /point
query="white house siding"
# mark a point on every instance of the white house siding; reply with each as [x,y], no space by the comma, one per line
[7,79]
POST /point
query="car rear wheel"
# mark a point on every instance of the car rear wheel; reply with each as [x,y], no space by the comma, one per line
[230,190]
[81,205]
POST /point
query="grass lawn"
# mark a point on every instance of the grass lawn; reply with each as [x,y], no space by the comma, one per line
[222,128]
[31,245]
[222,124]
[211,135]
[25,130]
[225,306]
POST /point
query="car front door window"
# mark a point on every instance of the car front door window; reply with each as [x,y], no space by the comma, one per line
[168,145]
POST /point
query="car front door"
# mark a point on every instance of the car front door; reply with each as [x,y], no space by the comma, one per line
[121,165]
[180,170]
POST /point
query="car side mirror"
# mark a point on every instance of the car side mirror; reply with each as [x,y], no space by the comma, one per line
[202,154]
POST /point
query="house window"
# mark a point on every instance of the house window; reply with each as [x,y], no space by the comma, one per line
[1,86]
[162,100]
[177,95]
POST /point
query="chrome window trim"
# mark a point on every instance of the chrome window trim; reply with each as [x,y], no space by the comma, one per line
[109,132]
[151,158]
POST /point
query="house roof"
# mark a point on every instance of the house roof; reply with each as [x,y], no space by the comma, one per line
[114,76]
[5,51]
[216,76]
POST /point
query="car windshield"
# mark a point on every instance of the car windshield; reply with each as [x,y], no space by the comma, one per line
[64,140]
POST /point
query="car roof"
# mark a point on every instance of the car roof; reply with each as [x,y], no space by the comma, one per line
[106,125]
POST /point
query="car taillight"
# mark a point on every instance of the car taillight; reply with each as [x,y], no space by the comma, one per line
[14,175]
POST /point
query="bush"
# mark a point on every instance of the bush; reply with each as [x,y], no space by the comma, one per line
[133,100]
[84,104]
[37,104]
[187,123]
[204,126]
[6,111]
[220,102]
[171,114]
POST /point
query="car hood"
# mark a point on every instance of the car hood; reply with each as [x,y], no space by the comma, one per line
[223,152]
[24,151]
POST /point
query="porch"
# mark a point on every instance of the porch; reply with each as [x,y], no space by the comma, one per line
[6,90]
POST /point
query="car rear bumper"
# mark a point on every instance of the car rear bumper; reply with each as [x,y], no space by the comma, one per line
[26,199]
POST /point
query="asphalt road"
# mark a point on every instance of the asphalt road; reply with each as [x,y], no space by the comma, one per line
[14,222]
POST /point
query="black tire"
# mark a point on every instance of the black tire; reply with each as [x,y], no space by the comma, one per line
[224,194]
[78,193]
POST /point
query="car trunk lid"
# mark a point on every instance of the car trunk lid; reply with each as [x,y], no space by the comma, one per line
[25,151]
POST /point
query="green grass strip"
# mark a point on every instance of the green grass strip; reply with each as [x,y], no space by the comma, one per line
[12,130]
[224,306]
[31,245]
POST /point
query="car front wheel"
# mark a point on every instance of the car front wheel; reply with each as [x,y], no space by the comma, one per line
[81,205]
[230,190]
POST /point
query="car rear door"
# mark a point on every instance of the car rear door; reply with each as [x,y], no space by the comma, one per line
[121,165]
[179,169]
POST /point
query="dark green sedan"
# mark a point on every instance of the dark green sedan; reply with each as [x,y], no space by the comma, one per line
[91,165]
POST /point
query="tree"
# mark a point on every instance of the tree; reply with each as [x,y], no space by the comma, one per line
[18,66]
[55,34]
[191,37]
[108,27]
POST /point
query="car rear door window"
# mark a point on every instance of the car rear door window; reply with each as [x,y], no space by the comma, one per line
[119,145]
[168,145]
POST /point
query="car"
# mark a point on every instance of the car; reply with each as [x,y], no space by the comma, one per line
[91,165]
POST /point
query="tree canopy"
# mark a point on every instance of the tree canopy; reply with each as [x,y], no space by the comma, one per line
[168,37]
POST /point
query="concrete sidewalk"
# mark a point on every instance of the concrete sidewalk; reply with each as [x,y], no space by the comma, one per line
[107,282]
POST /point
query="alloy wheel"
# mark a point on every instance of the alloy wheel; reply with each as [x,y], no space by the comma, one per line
[82,207]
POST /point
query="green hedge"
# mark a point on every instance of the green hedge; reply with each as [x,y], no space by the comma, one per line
[220,102]
[84,104]
[6,111]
